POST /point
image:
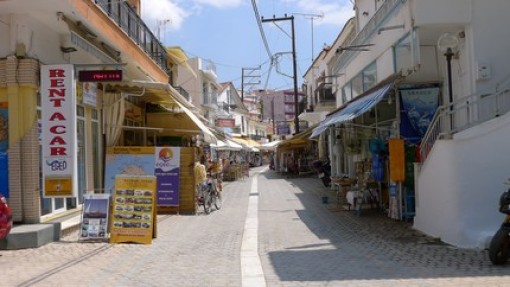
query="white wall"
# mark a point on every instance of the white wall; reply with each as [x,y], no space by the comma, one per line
[459,185]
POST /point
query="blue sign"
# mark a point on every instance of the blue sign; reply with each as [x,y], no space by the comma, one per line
[4,146]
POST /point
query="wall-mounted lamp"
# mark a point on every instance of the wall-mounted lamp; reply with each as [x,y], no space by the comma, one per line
[382,29]
[68,49]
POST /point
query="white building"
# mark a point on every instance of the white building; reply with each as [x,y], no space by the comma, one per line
[394,52]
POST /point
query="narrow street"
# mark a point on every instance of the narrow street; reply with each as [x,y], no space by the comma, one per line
[300,242]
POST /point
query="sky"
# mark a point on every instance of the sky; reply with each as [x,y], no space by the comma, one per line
[226,32]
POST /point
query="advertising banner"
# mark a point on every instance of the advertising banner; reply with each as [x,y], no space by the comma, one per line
[136,161]
[4,146]
[90,94]
[58,126]
[94,222]
[167,171]
[418,107]
[134,209]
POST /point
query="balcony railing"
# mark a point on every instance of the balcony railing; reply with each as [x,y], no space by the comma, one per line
[380,16]
[465,113]
[324,94]
[183,93]
[127,19]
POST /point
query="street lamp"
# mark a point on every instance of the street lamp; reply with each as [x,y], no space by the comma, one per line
[448,44]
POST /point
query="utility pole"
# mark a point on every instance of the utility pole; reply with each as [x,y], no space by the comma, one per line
[311,17]
[296,106]
[251,79]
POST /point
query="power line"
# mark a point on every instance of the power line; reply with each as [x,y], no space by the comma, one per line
[259,23]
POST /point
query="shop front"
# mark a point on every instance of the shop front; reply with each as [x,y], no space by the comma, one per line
[374,142]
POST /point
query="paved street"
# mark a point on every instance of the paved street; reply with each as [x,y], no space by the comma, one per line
[300,242]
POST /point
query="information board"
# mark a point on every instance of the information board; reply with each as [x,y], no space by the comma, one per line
[134,209]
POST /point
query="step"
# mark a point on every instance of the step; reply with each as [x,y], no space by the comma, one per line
[31,236]
[36,235]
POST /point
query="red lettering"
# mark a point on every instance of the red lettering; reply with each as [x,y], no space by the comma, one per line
[58,151]
[57,140]
[58,130]
[57,92]
[57,83]
[57,117]
[57,73]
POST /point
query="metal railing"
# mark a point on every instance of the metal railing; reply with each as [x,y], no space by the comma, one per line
[465,113]
[129,21]
[366,32]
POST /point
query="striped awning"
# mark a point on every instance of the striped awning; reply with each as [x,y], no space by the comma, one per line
[353,109]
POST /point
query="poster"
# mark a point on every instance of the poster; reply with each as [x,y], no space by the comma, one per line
[136,161]
[94,222]
[4,146]
[133,209]
[167,171]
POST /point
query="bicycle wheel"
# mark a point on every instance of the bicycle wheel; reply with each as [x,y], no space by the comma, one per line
[207,202]
[218,201]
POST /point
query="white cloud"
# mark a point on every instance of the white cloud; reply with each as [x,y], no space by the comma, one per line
[334,12]
[155,11]
[220,3]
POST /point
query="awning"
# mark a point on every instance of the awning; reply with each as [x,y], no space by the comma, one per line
[353,109]
[177,56]
[270,145]
[298,140]
[208,135]
[166,96]
[226,145]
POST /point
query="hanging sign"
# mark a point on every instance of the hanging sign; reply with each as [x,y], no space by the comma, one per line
[134,209]
[58,125]
[397,160]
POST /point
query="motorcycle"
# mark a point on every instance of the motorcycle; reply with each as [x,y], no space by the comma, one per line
[5,217]
[499,248]
[323,168]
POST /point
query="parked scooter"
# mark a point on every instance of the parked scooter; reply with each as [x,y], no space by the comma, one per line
[323,168]
[5,217]
[499,248]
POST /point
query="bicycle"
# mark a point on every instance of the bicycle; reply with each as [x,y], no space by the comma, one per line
[209,195]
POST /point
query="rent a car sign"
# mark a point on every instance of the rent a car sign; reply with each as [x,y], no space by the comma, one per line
[58,124]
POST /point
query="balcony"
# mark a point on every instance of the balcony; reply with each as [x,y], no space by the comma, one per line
[183,93]
[323,96]
[127,19]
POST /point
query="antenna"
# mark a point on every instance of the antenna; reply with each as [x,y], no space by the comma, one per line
[311,17]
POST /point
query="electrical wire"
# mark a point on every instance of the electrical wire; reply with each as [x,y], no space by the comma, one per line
[261,29]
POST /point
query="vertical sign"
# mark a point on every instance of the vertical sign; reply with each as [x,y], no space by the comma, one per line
[134,209]
[167,171]
[58,124]
[4,146]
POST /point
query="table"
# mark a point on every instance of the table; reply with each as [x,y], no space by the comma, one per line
[342,184]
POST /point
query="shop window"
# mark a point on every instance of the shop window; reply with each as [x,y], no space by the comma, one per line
[357,86]
[369,76]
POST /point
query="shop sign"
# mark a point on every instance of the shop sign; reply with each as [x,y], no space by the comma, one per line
[225,123]
[134,210]
[167,171]
[89,94]
[58,124]
[132,111]
[94,222]
[283,129]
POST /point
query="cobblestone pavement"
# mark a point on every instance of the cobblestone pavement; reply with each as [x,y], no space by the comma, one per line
[301,241]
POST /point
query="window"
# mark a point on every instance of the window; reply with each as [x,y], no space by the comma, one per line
[369,76]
